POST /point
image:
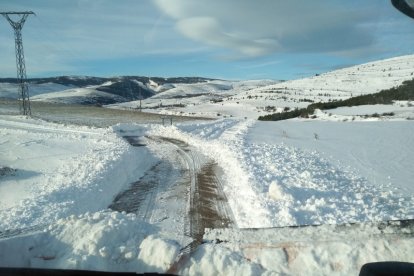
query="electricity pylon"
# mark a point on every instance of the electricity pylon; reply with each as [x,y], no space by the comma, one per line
[140,98]
[21,67]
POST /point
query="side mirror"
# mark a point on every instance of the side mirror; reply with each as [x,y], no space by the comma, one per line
[404,6]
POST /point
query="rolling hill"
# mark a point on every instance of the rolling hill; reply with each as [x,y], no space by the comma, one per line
[196,96]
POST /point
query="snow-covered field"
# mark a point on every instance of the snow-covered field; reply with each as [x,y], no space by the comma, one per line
[58,179]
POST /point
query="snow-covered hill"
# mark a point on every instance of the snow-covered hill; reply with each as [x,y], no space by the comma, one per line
[218,88]
[337,85]
[255,98]
[201,99]
[9,90]
[79,96]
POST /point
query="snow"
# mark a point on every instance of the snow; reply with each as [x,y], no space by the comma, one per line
[180,90]
[371,109]
[384,158]
[107,241]
[10,90]
[335,85]
[339,177]
[322,250]
[213,139]
[398,111]
[111,241]
[333,258]
[251,99]
[198,99]
[218,87]
[275,174]
[61,168]
[74,95]
[165,250]
[57,181]
[275,191]
[217,260]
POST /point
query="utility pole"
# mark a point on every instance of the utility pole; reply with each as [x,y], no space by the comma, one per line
[140,98]
[21,67]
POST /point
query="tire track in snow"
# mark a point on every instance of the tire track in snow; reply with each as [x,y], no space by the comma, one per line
[139,197]
[206,203]
[208,207]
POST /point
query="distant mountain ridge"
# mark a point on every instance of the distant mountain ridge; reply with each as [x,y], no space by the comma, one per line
[93,90]
[90,80]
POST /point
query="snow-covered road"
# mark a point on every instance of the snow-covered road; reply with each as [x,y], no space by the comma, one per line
[181,194]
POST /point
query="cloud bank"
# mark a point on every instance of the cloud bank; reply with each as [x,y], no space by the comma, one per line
[255,28]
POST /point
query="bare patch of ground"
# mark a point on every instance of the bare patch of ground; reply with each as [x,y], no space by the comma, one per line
[86,115]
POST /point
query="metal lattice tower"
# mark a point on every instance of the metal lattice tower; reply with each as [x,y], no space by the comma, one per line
[21,67]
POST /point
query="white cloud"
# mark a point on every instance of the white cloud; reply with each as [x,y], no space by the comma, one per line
[255,28]
[208,29]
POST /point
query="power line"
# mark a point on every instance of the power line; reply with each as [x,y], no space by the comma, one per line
[20,64]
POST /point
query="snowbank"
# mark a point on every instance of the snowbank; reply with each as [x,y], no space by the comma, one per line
[62,170]
[332,172]
[320,179]
[321,250]
[210,259]
[218,140]
[111,241]
[105,241]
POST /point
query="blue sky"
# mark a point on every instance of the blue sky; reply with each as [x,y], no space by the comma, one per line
[228,39]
